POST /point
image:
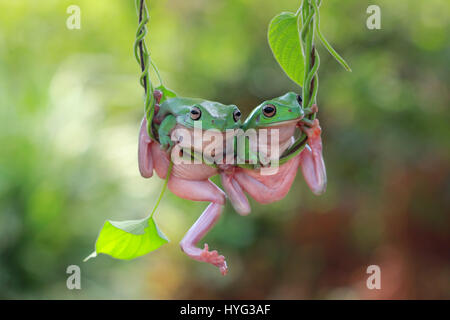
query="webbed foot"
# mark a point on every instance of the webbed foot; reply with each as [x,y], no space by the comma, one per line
[215,259]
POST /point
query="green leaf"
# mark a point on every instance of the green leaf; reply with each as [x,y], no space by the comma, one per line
[130,239]
[166,93]
[285,44]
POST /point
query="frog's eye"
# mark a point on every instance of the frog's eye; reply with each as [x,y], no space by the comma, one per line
[196,113]
[299,100]
[236,115]
[269,110]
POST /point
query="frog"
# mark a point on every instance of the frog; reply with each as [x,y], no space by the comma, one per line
[189,181]
[185,112]
[284,114]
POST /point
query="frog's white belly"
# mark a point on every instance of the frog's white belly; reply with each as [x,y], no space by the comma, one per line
[187,171]
[278,139]
[185,139]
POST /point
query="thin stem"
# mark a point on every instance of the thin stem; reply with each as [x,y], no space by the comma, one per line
[308,22]
[325,42]
[310,83]
[169,171]
[143,57]
[141,44]
[306,28]
[155,68]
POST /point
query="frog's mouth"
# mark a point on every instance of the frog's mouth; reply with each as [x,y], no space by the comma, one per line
[201,142]
[281,123]
[218,124]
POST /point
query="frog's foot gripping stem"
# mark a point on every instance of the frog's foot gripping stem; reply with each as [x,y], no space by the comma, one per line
[311,159]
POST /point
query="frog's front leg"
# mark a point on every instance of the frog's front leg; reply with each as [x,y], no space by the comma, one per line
[201,191]
[311,160]
[166,127]
[146,157]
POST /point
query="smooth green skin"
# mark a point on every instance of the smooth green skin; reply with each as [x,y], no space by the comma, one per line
[214,115]
[287,107]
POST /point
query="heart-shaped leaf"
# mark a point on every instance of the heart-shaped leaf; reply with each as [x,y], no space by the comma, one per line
[285,44]
[130,239]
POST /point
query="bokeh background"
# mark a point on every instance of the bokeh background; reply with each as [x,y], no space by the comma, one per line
[70,112]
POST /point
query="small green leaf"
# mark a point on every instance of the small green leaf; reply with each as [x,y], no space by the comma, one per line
[285,44]
[130,239]
[166,93]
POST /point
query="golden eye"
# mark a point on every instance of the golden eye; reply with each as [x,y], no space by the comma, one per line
[236,115]
[196,113]
[269,110]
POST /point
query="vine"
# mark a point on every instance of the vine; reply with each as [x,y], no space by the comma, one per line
[308,23]
[133,238]
[142,56]
[307,20]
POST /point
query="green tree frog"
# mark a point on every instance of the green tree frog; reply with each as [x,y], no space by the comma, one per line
[188,180]
[283,114]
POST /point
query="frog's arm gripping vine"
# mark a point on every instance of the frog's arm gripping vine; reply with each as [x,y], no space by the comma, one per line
[164,130]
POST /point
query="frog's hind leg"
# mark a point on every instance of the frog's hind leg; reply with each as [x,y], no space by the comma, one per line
[269,188]
[145,158]
[235,193]
[197,231]
[311,160]
[201,191]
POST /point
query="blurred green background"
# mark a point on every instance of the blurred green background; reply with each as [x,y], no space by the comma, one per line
[70,112]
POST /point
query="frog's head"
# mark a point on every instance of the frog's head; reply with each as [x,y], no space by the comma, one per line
[207,115]
[284,110]
[213,115]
